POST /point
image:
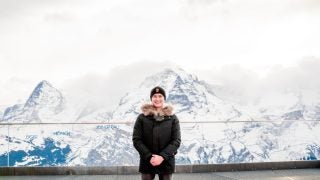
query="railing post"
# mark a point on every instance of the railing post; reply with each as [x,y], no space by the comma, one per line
[8,152]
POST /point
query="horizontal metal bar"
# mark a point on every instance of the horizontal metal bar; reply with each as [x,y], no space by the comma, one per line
[181,122]
[118,170]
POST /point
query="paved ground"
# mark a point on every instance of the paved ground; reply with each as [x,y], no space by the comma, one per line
[296,174]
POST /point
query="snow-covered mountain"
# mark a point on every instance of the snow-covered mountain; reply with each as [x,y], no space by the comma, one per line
[304,105]
[44,102]
[276,104]
[2,108]
[194,100]
[213,130]
[191,99]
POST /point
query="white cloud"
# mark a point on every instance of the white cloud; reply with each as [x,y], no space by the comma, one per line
[242,85]
[61,40]
[105,90]
[15,90]
[231,82]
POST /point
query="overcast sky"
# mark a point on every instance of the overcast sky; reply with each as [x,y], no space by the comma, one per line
[65,40]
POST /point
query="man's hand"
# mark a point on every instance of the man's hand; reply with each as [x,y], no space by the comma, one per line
[156,160]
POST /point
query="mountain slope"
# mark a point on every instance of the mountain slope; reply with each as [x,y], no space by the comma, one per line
[192,100]
[44,102]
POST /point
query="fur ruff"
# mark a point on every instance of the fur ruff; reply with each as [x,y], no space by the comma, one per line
[149,109]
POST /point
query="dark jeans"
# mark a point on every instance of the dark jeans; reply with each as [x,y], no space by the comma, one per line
[151,176]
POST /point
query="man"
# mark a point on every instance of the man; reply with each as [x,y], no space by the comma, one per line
[157,137]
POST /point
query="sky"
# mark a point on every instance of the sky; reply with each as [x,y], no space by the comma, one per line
[75,41]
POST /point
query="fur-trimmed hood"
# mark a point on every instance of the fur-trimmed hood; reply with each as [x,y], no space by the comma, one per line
[149,109]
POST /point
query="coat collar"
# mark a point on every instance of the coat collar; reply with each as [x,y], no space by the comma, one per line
[149,109]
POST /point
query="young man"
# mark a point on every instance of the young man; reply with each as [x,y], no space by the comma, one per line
[157,137]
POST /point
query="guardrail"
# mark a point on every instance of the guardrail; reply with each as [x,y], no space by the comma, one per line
[181,122]
[12,133]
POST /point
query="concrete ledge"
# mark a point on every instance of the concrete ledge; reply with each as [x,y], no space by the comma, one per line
[117,170]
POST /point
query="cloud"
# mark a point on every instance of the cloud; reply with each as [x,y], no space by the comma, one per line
[233,83]
[302,76]
[15,90]
[21,9]
[61,40]
[244,86]
[105,90]
[69,32]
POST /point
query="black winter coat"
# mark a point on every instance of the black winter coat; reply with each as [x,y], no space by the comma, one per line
[156,133]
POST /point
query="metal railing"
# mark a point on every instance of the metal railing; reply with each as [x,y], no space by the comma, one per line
[132,122]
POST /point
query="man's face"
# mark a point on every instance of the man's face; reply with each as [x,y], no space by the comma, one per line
[157,100]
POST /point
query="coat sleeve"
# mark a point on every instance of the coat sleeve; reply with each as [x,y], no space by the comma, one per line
[172,148]
[137,140]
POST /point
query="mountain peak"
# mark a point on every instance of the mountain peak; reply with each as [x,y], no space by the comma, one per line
[43,93]
[177,71]
[44,83]
[44,102]
[191,98]
[167,78]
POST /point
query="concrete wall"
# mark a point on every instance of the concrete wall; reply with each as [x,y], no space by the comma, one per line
[108,170]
